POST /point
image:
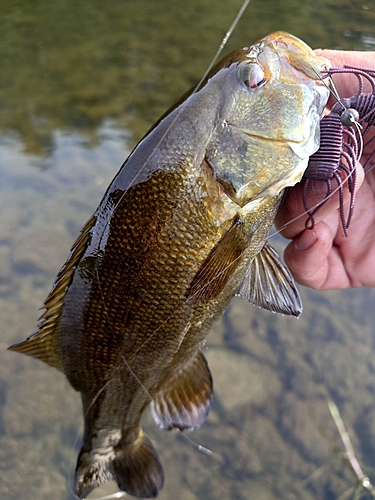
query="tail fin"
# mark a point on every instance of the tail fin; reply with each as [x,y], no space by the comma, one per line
[135,467]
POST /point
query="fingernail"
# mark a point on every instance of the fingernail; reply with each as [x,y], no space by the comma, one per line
[306,240]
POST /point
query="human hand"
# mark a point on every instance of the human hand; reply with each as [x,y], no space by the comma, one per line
[323,258]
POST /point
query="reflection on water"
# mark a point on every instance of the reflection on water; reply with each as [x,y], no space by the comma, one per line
[80,83]
[72,64]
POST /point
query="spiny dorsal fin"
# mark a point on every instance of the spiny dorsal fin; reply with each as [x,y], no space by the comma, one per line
[269,284]
[42,344]
[186,399]
[220,264]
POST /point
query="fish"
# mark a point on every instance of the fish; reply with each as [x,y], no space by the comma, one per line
[180,231]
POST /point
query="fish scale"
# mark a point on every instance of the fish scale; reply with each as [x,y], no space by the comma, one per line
[181,229]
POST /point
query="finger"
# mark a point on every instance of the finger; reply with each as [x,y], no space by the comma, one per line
[339,58]
[307,256]
[347,84]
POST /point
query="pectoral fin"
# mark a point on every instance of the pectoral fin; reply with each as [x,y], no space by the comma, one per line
[220,264]
[185,400]
[270,285]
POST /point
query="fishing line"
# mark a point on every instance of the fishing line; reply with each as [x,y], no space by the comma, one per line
[241,255]
[124,361]
[284,226]
[222,45]
[200,448]
[224,41]
[332,89]
[81,428]
[116,370]
[235,260]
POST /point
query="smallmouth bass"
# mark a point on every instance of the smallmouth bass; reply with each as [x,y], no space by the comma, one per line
[182,228]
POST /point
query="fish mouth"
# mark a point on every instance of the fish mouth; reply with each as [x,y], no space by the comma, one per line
[272,139]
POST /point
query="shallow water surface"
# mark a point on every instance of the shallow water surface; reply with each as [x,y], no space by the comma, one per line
[80,83]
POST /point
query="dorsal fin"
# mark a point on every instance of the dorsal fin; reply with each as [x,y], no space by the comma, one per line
[42,343]
[269,284]
[220,264]
[185,400]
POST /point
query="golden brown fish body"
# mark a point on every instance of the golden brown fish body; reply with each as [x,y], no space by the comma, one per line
[180,231]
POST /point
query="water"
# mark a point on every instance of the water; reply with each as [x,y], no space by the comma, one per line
[80,83]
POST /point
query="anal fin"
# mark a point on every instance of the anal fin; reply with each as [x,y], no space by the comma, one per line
[185,400]
[269,284]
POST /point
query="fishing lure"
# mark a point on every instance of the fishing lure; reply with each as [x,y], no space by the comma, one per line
[344,135]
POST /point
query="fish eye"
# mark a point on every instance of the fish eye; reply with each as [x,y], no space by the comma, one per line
[252,75]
